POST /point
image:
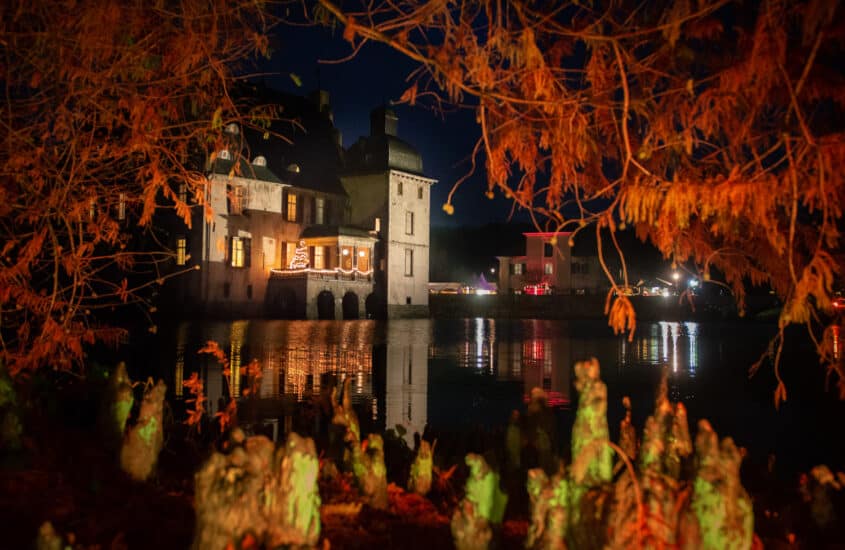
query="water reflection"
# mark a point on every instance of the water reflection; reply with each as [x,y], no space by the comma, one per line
[670,344]
[407,351]
[391,364]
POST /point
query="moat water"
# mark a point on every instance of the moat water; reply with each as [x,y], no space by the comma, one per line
[464,377]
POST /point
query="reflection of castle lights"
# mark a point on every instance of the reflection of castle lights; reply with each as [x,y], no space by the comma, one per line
[479,342]
[492,344]
[179,375]
[692,334]
[664,345]
[237,336]
[675,329]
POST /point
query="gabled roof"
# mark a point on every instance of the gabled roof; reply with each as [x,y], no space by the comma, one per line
[245,170]
[305,136]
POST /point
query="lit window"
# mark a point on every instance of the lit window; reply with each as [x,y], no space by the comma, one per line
[240,251]
[548,268]
[290,210]
[420,192]
[121,206]
[319,257]
[409,223]
[346,258]
[517,269]
[409,262]
[183,193]
[364,259]
[224,155]
[399,188]
[290,252]
[319,210]
[181,250]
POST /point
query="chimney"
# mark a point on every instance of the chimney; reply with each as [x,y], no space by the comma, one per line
[383,121]
[322,101]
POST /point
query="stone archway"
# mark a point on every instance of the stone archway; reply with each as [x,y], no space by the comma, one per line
[375,307]
[286,306]
[350,305]
[325,305]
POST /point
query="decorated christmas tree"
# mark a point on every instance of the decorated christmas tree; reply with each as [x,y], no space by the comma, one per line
[300,257]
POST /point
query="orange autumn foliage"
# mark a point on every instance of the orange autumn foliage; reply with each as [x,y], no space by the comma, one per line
[111,111]
[714,129]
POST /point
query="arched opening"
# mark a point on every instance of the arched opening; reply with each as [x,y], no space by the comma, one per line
[375,307]
[325,305]
[281,301]
[286,304]
[350,305]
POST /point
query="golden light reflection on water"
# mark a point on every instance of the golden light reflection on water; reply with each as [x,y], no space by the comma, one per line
[298,358]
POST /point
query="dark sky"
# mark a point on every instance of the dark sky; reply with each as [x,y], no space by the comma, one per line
[377,75]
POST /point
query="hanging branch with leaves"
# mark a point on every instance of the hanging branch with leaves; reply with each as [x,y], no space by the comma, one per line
[112,112]
[713,129]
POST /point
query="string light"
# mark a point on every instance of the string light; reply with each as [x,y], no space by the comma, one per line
[301,270]
[300,257]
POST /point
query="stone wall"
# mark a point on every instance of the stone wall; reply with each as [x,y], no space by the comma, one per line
[515,306]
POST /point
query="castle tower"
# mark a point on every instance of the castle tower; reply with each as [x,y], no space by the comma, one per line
[388,192]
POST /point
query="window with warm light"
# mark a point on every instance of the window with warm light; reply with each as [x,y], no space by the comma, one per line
[290,252]
[548,268]
[290,208]
[409,262]
[363,259]
[517,269]
[319,257]
[409,223]
[181,250]
[346,258]
[182,195]
[121,206]
[240,251]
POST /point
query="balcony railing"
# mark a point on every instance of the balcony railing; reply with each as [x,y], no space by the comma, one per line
[336,274]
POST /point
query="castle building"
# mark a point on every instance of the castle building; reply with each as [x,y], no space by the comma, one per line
[304,229]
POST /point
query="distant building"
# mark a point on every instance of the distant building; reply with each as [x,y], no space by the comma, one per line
[308,230]
[548,267]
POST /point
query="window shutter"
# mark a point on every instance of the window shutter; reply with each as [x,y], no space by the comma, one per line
[247,252]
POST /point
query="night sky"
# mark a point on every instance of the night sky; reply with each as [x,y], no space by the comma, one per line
[377,75]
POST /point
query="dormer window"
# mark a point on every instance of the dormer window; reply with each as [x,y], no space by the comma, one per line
[259,161]
[224,155]
[293,168]
[232,128]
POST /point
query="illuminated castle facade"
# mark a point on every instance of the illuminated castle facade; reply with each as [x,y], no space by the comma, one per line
[306,229]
